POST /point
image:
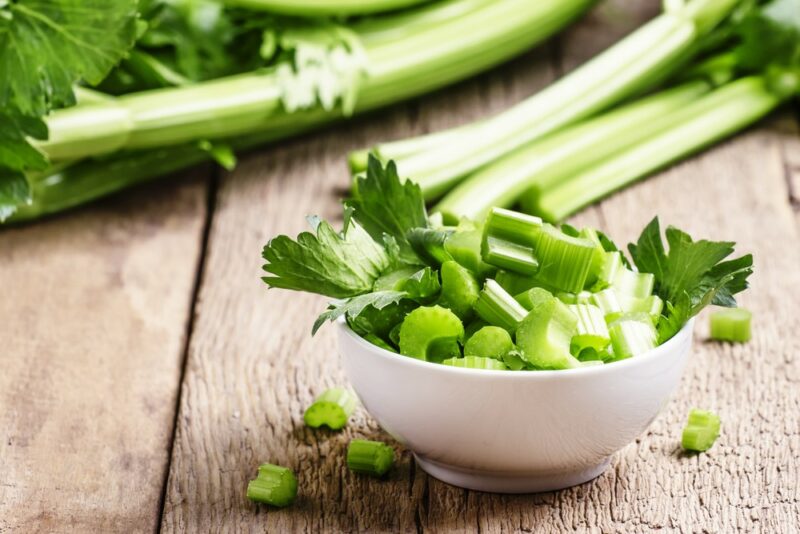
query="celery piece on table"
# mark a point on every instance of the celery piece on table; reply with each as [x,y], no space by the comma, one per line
[332,409]
[701,430]
[731,325]
[369,457]
[274,485]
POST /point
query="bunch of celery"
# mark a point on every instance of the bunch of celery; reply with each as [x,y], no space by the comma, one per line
[583,137]
[508,292]
[199,79]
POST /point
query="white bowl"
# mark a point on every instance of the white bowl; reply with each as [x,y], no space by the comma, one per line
[513,431]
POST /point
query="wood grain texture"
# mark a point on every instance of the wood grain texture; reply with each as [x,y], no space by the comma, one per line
[92,327]
[253,368]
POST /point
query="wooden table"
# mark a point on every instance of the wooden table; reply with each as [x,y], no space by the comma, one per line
[145,371]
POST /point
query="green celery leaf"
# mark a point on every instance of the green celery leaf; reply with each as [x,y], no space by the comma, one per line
[48,45]
[330,263]
[16,153]
[423,285]
[690,271]
[770,34]
[674,317]
[14,191]
[384,204]
[354,307]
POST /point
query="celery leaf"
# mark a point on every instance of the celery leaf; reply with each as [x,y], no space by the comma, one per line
[329,263]
[384,204]
[46,46]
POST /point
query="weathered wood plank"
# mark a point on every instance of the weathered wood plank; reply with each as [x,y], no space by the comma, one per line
[94,313]
[253,367]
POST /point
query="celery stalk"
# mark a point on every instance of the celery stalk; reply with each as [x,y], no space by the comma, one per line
[633,64]
[545,163]
[713,117]
[399,68]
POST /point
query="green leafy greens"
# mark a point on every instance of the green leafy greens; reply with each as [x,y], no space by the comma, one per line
[691,275]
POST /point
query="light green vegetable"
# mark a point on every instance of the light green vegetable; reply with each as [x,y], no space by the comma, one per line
[369,457]
[701,430]
[498,308]
[632,335]
[544,334]
[489,342]
[460,289]
[275,485]
[731,325]
[431,333]
[592,332]
[333,408]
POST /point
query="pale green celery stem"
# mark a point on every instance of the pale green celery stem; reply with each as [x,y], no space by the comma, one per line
[219,108]
[430,58]
[382,29]
[715,116]
[481,38]
[321,8]
[560,155]
[606,79]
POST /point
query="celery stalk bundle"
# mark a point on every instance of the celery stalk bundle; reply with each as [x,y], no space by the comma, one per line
[585,135]
[190,91]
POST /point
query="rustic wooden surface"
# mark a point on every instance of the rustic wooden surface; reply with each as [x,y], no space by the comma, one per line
[118,314]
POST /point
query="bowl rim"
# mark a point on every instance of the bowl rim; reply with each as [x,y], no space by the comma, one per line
[687,331]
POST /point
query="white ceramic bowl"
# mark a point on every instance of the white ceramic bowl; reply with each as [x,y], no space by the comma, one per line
[513,431]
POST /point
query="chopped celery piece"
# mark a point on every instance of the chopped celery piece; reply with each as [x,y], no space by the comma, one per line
[489,342]
[431,333]
[498,308]
[564,261]
[544,335]
[459,289]
[513,360]
[652,306]
[632,334]
[378,342]
[592,330]
[429,244]
[472,327]
[331,409]
[464,246]
[476,362]
[731,324]
[633,284]
[701,430]
[369,457]
[274,485]
[511,226]
[598,255]
[394,280]
[607,273]
[508,239]
[590,354]
[615,305]
[509,255]
[608,301]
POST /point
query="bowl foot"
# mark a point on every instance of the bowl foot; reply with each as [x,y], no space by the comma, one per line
[495,482]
